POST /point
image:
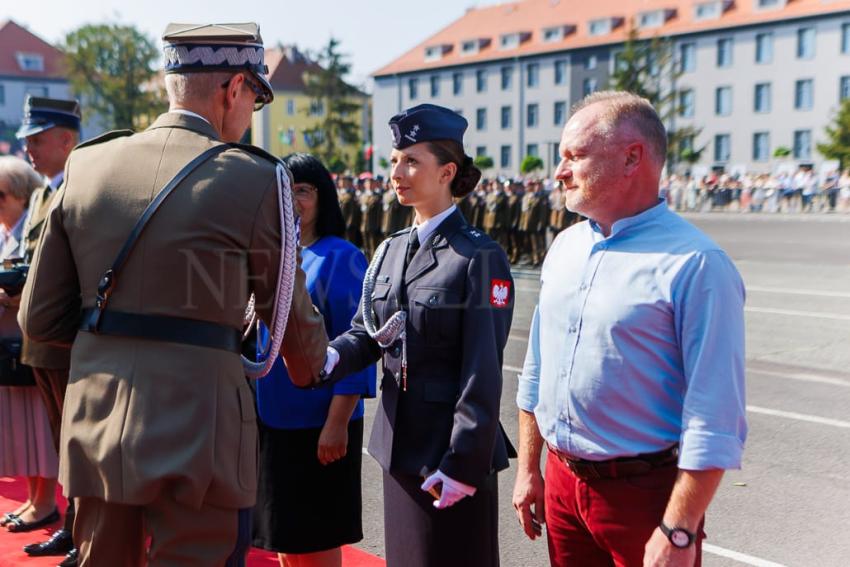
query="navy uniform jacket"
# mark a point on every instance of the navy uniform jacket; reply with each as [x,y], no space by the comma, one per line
[459,298]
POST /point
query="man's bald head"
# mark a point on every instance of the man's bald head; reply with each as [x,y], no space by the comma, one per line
[628,116]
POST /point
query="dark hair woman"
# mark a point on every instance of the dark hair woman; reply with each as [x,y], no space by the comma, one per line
[437,308]
[310,440]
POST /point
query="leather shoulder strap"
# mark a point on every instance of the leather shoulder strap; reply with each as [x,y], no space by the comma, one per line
[107,282]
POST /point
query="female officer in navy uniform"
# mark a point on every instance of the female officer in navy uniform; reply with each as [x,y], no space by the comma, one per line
[436,433]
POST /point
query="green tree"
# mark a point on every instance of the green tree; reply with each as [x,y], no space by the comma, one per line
[648,68]
[335,101]
[112,68]
[781,152]
[530,164]
[838,136]
[483,162]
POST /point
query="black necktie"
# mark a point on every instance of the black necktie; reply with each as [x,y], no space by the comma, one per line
[412,247]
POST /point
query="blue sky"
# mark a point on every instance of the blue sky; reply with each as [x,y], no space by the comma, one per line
[372,32]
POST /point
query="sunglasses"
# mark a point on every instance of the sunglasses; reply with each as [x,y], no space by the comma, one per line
[262,97]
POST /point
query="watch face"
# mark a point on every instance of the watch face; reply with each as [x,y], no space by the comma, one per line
[680,538]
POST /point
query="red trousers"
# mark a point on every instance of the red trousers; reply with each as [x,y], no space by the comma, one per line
[604,522]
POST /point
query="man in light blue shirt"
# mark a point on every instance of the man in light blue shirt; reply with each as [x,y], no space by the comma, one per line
[634,375]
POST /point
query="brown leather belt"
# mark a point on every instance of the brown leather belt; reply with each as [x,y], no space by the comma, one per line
[620,467]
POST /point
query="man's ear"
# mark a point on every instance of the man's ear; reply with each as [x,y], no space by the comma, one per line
[634,155]
[231,92]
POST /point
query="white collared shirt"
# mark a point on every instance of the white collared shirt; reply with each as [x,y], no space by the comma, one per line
[427,228]
[56,181]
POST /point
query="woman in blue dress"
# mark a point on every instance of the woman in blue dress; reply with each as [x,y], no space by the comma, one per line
[309,498]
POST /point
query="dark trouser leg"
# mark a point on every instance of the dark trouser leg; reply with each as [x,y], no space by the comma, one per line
[109,534]
[184,536]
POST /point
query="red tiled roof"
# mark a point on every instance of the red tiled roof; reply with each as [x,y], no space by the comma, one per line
[532,16]
[287,66]
[15,39]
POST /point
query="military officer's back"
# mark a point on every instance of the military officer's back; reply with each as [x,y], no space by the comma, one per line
[159,429]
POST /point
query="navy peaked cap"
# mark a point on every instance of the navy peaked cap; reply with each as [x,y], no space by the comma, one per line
[424,123]
[41,114]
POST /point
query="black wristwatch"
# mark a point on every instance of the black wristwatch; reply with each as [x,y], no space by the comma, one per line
[679,537]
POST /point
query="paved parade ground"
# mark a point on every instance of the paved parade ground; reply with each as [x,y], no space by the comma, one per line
[790,505]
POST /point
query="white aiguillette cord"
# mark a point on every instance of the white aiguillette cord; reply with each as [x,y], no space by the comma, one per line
[285,281]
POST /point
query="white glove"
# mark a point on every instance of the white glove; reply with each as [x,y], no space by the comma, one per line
[331,360]
[452,491]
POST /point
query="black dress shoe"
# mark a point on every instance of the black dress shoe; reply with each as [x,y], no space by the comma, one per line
[70,559]
[59,543]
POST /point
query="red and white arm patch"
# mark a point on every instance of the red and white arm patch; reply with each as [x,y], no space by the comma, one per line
[500,293]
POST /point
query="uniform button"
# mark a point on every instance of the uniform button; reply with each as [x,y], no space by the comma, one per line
[583,287]
[572,329]
[396,352]
[433,300]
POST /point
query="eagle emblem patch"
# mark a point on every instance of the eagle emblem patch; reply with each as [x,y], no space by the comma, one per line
[500,293]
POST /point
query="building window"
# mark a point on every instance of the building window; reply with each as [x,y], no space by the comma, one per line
[469,47]
[761,146]
[481,80]
[561,113]
[532,115]
[723,101]
[2,95]
[30,61]
[722,147]
[652,19]
[435,86]
[802,144]
[687,57]
[532,150]
[805,43]
[590,62]
[480,151]
[36,90]
[686,103]
[481,119]
[457,84]
[804,94]
[845,38]
[724,52]
[290,107]
[843,89]
[707,10]
[560,72]
[412,88]
[588,86]
[505,157]
[770,3]
[764,48]
[532,77]
[599,27]
[506,117]
[507,78]
[761,99]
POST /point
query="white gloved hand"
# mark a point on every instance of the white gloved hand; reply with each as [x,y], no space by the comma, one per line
[451,492]
[331,360]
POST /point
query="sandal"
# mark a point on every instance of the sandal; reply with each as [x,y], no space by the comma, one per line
[16,524]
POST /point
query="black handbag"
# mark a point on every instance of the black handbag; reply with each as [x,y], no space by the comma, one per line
[12,372]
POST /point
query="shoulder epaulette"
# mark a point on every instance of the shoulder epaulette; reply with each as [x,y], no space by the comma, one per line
[402,231]
[105,137]
[259,152]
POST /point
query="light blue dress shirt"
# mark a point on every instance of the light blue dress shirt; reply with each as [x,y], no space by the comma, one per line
[637,343]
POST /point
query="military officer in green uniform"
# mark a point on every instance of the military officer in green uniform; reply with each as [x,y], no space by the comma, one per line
[159,439]
[395,215]
[496,215]
[532,222]
[50,130]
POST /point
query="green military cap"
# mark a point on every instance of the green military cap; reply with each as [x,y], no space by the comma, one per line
[42,113]
[217,47]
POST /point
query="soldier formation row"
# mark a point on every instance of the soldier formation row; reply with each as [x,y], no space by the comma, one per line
[516,215]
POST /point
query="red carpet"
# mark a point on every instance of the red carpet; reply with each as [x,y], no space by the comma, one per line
[13,492]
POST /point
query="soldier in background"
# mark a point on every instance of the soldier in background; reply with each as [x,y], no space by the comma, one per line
[371,213]
[50,130]
[350,209]
[532,222]
[513,191]
[395,215]
[496,215]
